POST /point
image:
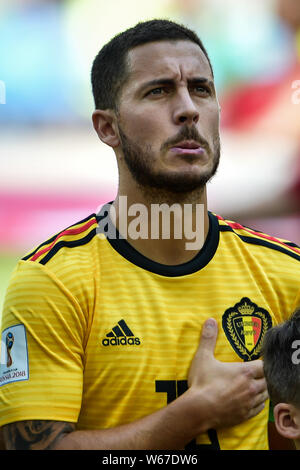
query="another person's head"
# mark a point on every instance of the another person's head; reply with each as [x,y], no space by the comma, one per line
[281,356]
[153,88]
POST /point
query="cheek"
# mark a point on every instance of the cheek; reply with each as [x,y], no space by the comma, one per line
[211,124]
[143,129]
[213,115]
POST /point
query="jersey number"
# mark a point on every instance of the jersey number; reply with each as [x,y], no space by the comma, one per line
[175,388]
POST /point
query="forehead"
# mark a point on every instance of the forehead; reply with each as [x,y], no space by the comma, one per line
[172,59]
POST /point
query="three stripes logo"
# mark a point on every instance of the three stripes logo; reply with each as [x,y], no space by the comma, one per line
[121,335]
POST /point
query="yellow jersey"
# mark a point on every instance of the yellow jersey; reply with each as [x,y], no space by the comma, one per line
[96,334]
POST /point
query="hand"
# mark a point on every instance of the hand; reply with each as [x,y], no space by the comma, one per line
[233,391]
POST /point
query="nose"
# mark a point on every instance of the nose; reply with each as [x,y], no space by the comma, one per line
[185,110]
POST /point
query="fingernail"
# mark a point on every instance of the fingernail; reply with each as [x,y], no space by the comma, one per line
[209,327]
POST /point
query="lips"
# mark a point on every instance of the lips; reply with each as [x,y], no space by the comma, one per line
[188,148]
[188,144]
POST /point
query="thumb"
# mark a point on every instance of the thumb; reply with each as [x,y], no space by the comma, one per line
[208,336]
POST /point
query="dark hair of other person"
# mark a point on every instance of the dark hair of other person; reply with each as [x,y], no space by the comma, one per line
[110,68]
[280,356]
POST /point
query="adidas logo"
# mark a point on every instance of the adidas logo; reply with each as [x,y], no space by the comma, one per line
[121,335]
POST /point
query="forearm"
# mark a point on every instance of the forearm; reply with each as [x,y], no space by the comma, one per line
[219,395]
[172,427]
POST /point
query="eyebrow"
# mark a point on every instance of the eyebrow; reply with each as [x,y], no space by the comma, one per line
[171,81]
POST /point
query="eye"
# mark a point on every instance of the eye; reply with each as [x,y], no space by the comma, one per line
[156,91]
[201,89]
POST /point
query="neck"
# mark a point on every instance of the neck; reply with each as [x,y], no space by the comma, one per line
[167,228]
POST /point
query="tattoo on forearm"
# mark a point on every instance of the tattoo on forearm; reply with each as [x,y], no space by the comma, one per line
[35,435]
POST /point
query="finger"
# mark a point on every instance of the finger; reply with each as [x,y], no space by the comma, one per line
[256,410]
[260,398]
[256,367]
[260,385]
[208,337]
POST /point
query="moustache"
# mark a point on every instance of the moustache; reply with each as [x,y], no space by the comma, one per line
[186,133]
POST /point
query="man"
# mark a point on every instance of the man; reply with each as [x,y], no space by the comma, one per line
[102,332]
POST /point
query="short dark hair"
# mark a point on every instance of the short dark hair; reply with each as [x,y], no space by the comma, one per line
[281,367]
[110,68]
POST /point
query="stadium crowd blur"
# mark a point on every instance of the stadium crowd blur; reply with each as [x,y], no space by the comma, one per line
[53,169]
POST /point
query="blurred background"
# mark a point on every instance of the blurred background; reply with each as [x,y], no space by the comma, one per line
[54,170]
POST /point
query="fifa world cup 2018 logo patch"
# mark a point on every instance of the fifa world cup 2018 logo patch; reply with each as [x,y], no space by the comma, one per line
[9,344]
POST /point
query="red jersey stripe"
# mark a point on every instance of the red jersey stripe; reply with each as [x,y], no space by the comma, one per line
[237,226]
[70,231]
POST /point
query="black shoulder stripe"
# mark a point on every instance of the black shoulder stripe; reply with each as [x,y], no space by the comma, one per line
[266,243]
[68,244]
[258,241]
[50,240]
[227,228]
[292,244]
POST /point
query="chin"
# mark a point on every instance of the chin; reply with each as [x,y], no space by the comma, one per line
[182,183]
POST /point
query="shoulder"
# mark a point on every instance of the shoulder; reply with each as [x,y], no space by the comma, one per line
[66,259]
[77,235]
[257,241]
[58,270]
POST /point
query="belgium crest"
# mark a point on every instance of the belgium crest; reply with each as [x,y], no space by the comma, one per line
[245,325]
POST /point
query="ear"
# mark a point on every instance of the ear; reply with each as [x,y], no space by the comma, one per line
[287,420]
[104,122]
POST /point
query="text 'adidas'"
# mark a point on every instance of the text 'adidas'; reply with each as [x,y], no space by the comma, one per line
[121,335]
